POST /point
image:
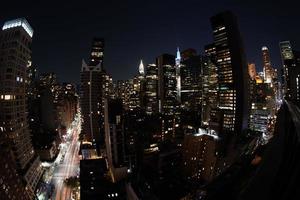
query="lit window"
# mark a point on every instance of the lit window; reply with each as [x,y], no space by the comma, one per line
[7,97]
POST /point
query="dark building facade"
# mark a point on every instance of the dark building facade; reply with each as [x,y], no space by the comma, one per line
[92,90]
[191,82]
[11,183]
[15,56]
[94,184]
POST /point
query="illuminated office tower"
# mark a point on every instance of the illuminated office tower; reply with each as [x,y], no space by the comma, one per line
[93,84]
[151,89]
[167,91]
[232,73]
[190,78]
[287,58]
[122,92]
[268,70]
[15,47]
[259,111]
[209,83]
[135,89]
[291,71]
[136,92]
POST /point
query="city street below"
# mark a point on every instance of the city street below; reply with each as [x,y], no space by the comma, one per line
[66,165]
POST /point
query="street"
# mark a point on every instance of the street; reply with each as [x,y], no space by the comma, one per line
[69,167]
[65,165]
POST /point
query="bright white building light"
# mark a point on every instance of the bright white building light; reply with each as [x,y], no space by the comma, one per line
[20,22]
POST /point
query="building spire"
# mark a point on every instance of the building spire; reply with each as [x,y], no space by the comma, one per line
[178,54]
[141,68]
[178,76]
[178,57]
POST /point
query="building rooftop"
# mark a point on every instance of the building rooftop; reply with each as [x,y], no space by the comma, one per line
[20,22]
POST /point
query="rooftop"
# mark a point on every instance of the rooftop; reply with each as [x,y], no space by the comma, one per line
[20,22]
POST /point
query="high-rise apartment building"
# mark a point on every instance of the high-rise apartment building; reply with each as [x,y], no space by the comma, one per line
[199,156]
[15,57]
[232,73]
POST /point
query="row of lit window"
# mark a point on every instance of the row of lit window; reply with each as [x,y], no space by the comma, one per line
[8,97]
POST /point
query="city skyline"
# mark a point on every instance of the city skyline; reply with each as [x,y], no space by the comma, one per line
[162,106]
[63,39]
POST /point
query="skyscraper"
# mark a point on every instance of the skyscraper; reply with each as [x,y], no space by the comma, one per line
[167,85]
[268,70]
[232,73]
[15,47]
[178,74]
[151,89]
[291,71]
[259,112]
[209,83]
[141,68]
[91,95]
[190,80]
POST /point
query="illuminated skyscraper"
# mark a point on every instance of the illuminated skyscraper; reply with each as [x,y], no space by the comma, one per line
[178,77]
[232,73]
[141,68]
[190,80]
[167,85]
[15,55]
[151,89]
[291,71]
[268,70]
[209,83]
[259,112]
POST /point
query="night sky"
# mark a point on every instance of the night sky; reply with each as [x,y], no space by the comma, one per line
[63,31]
